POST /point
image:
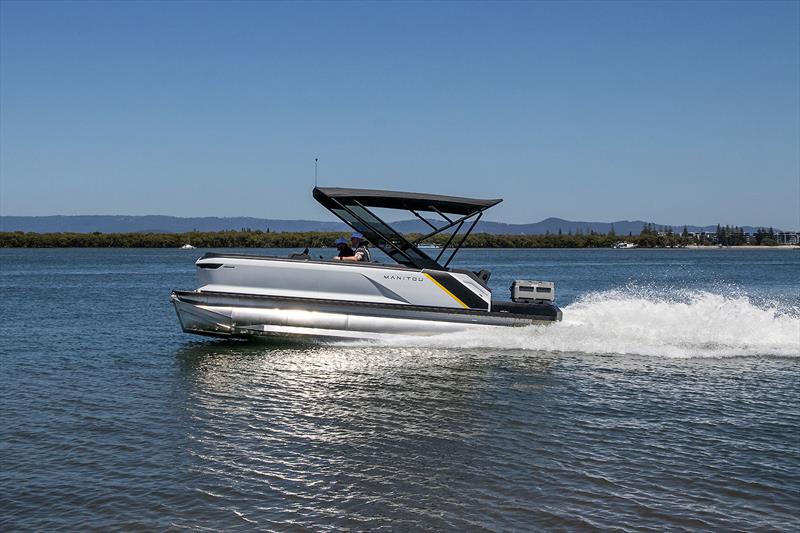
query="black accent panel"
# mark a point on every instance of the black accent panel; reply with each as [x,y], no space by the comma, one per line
[470,299]
[209,265]
[519,308]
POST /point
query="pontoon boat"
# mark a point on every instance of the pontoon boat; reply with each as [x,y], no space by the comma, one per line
[244,295]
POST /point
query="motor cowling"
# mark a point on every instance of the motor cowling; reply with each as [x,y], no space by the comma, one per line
[530,291]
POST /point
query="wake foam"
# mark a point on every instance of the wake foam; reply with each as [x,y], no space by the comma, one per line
[683,324]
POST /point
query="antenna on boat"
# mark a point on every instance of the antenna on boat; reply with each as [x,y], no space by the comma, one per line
[316,160]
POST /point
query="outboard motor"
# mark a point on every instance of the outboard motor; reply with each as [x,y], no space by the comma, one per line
[533,292]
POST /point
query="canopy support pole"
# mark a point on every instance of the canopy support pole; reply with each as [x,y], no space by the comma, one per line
[463,238]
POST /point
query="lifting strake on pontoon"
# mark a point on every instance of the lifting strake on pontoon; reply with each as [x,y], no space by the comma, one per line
[243,295]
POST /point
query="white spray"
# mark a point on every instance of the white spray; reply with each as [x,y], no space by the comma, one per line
[689,324]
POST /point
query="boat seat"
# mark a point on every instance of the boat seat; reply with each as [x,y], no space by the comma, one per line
[484,275]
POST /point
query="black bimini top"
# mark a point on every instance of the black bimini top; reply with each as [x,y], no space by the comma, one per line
[409,201]
[351,205]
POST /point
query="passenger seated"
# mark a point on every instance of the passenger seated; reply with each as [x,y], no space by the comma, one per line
[345,252]
[361,252]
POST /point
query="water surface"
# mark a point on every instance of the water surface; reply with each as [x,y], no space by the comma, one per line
[669,398]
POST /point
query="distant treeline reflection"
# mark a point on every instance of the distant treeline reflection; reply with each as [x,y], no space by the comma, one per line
[260,239]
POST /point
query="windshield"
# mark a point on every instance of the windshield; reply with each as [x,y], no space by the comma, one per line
[384,237]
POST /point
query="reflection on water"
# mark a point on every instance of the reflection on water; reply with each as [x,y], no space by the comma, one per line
[412,389]
[359,436]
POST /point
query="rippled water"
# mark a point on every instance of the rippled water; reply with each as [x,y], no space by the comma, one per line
[669,398]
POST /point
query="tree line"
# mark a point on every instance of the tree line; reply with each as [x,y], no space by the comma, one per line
[245,238]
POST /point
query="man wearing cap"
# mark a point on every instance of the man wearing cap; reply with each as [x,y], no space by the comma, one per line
[344,250]
[361,252]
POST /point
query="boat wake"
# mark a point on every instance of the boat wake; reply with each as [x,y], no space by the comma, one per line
[687,324]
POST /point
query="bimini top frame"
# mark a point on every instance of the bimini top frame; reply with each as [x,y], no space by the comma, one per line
[351,205]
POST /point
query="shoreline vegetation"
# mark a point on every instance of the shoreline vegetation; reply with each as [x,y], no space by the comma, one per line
[246,238]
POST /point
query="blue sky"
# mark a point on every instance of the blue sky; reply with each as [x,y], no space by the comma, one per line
[673,112]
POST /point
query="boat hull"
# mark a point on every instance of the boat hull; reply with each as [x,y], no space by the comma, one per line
[246,316]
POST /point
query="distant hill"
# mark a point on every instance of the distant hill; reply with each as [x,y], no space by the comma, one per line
[169,224]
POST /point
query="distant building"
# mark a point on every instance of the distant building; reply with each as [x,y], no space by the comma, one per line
[704,236]
[788,237]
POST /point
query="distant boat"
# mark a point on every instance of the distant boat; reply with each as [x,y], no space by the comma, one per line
[429,246]
[622,245]
[187,246]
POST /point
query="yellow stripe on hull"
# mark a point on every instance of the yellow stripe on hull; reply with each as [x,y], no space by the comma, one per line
[453,296]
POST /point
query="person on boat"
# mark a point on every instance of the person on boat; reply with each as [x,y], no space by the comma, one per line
[361,251]
[344,249]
